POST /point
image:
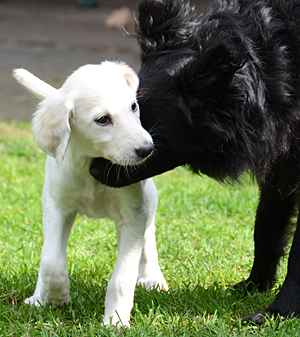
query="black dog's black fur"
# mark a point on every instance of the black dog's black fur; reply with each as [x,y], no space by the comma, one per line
[221,95]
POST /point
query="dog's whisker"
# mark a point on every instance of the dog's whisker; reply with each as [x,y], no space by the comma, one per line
[118,172]
[153,128]
[107,170]
[129,171]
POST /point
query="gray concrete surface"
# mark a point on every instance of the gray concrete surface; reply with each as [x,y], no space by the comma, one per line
[52,38]
[52,64]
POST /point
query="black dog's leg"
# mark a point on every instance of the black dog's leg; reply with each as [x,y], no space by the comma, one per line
[287,301]
[272,217]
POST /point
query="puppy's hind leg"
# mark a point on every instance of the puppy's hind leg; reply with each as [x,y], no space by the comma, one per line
[53,281]
[150,275]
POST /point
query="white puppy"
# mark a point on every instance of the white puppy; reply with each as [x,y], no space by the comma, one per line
[94,114]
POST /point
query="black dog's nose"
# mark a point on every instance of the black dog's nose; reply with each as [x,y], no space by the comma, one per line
[145,150]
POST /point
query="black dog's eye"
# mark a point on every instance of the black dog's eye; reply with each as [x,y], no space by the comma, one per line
[103,120]
[134,107]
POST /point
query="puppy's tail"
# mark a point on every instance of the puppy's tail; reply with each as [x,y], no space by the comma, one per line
[33,84]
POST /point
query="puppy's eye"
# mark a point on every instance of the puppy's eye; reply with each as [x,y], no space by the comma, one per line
[134,107]
[103,120]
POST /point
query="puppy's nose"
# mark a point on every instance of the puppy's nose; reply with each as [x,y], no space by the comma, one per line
[145,150]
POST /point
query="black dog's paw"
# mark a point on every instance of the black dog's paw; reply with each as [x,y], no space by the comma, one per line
[250,286]
[262,317]
[259,318]
[245,286]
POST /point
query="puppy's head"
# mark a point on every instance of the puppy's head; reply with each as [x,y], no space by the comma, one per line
[96,110]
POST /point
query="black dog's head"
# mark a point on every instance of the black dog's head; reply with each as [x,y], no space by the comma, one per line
[195,93]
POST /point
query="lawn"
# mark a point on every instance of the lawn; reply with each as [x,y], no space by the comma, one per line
[205,245]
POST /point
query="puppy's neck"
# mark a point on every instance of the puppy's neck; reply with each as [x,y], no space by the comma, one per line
[76,161]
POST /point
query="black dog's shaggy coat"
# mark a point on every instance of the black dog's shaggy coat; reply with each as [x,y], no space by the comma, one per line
[221,94]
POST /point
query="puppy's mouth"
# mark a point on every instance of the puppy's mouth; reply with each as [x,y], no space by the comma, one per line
[139,156]
[104,166]
[128,166]
[128,161]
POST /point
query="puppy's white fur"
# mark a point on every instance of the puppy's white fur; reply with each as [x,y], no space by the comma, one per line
[65,127]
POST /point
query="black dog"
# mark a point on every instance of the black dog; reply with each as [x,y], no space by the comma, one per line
[222,96]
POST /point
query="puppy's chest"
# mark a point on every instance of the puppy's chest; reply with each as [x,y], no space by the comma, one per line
[92,199]
[94,203]
[86,196]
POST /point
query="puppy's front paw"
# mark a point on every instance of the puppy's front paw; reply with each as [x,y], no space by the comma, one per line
[115,321]
[35,300]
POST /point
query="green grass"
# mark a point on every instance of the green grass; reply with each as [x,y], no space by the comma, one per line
[205,245]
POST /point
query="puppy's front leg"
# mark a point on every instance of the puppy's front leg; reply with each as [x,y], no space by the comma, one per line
[150,275]
[53,281]
[120,289]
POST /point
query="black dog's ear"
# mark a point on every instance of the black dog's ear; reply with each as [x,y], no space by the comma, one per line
[164,25]
[211,73]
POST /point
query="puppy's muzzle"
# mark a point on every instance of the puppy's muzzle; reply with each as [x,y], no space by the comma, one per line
[145,150]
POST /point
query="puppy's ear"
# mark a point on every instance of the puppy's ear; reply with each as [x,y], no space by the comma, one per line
[164,25]
[51,126]
[131,79]
[211,73]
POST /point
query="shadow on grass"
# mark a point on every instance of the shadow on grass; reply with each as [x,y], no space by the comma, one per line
[197,300]
[88,297]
